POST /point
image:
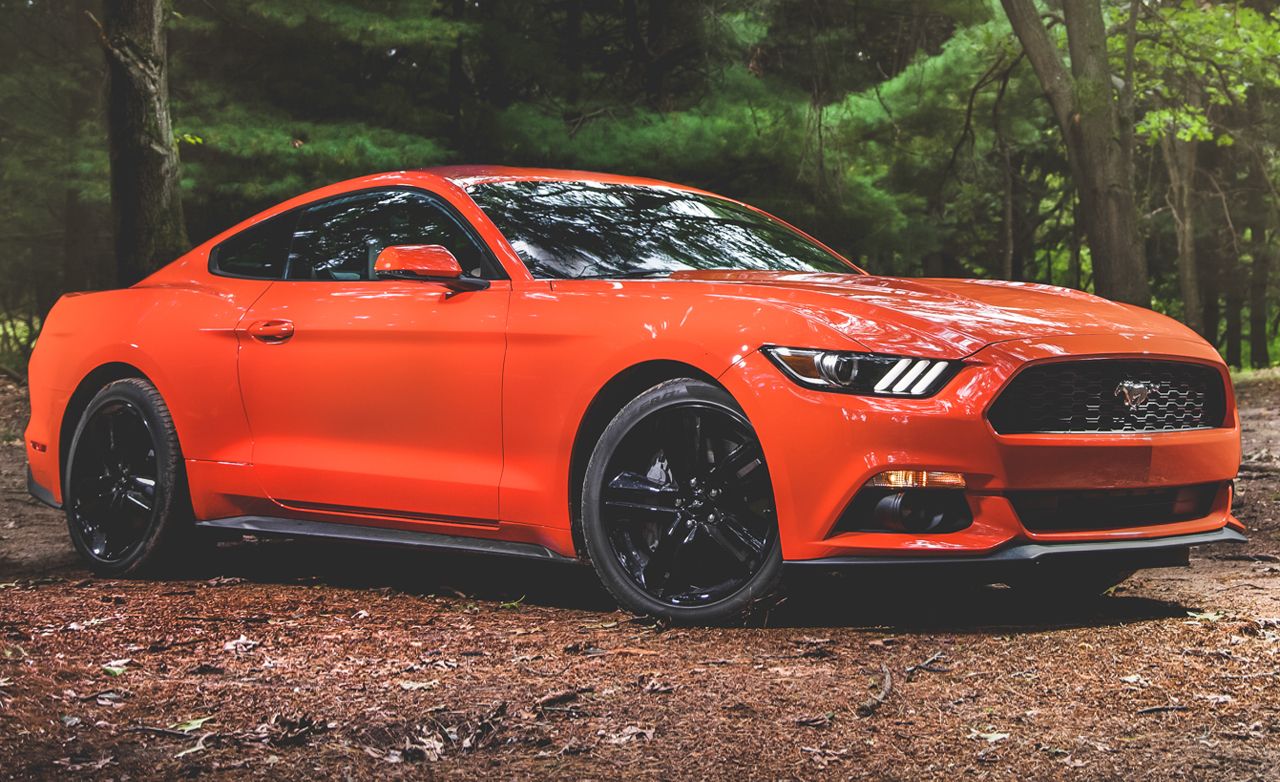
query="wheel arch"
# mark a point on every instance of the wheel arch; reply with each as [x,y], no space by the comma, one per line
[611,398]
[89,386]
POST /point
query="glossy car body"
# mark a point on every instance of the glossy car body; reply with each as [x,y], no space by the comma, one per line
[392,405]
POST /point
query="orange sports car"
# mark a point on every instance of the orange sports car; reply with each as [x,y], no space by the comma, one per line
[671,385]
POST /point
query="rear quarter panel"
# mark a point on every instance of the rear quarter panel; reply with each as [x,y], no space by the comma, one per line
[177,329]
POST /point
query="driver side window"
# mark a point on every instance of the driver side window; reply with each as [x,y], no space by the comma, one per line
[340,239]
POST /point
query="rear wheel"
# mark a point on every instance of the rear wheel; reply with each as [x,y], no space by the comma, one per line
[678,510]
[125,493]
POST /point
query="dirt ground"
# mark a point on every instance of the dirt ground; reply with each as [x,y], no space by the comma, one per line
[293,660]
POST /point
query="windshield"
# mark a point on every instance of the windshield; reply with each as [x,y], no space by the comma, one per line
[592,229]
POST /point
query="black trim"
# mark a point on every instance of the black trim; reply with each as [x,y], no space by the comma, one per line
[491,259]
[1027,553]
[270,525]
[387,513]
[40,492]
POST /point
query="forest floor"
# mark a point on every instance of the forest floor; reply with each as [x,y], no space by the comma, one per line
[292,660]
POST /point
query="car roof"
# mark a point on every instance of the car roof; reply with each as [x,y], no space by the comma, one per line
[472,175]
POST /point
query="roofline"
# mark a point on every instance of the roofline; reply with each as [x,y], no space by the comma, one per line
[465,176]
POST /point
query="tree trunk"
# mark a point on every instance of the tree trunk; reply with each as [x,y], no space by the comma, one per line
[1259,344]
[146,201]
[1180,162]
[573,49]
[655,69]
[457,85]
[1258,212]
[1235,309]
[1099,145]
[1209,256]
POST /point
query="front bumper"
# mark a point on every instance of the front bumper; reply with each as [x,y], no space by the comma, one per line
[822,447]
[1107,554]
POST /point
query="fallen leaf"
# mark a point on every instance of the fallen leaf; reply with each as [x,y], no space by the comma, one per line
[561,697]
[189,725]
[823,756]
[111,669]
[224,581]
[659,688]
[239,645]
[1207,616]
[628,734]
[197,747]
[989,737]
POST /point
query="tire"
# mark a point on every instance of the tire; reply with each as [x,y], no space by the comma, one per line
[125,490]
[678,511]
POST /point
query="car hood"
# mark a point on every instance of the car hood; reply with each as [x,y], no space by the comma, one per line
[944,317]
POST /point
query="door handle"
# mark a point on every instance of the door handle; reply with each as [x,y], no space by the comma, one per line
[272,331]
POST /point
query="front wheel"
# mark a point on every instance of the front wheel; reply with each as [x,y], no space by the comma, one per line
[125,492]
[677,507]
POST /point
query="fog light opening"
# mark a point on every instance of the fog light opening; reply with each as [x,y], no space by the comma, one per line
[914,502]
[918,512]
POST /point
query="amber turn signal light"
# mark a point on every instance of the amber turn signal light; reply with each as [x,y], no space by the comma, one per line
[917,479]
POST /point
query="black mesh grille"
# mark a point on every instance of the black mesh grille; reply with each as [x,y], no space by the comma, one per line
[1059,511]
[1086,396]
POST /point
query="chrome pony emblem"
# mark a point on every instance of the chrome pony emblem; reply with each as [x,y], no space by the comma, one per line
[1134,393]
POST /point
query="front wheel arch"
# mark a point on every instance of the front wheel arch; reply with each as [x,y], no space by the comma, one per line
[736,560]
[607,403]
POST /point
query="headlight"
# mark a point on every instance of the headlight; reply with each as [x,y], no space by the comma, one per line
[863,373]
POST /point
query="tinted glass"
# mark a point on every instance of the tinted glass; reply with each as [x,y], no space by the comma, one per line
[341,239]
[590,229]
[259,251]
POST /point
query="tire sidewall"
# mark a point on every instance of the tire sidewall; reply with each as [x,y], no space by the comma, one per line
[671,393]
[143,397]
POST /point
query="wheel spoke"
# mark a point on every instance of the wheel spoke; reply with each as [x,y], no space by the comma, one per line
[146,486]
[700,444]
[629,481]
[739,464]
[98,542]
[137,498]
[737,539]
[113,437]
[632,492]
[662,561]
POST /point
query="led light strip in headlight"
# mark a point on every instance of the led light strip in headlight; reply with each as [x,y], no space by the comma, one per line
[863,373]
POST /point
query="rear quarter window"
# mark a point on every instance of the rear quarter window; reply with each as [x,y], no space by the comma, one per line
[258,252]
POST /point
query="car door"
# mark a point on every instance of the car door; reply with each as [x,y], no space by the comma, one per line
[377,398]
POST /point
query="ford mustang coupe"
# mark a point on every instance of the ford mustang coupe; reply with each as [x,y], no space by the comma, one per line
[673,386]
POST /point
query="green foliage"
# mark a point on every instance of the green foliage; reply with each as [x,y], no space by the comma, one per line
[911,135]
[1194,59]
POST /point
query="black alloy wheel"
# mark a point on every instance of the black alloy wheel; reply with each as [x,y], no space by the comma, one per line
[124,478]
[678,511]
